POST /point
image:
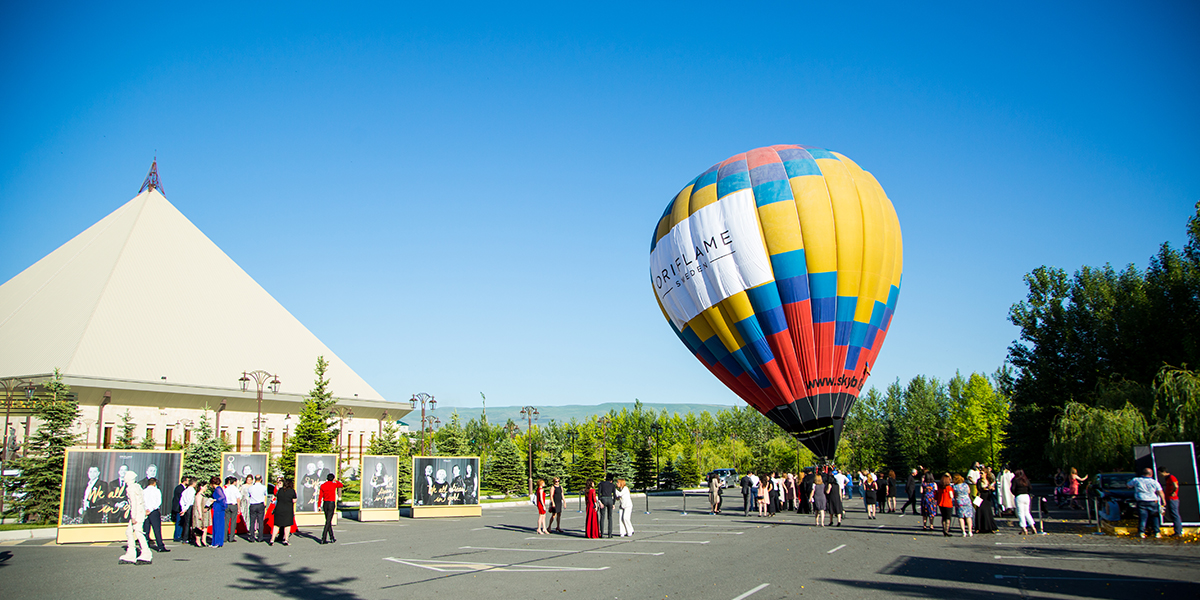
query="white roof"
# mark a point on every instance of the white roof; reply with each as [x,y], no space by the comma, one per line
[144,295]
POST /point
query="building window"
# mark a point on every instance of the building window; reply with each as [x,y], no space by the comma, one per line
[285,438]
[187,436]
[225,434]
[167,438]
[108,433]
[360,446]
[149,433]
[239,440]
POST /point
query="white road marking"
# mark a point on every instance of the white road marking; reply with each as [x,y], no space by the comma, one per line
[747,594]
[843,546]
[366,542]
[685,531]
[559,551]
[998,557]
[478,528]
[455,566]
[670,541]
[881,527]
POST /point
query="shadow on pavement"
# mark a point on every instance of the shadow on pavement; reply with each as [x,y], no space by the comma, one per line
[5,557]
[1022,579]
[290,583]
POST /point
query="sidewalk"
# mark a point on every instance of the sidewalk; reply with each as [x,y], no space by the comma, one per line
[29,534]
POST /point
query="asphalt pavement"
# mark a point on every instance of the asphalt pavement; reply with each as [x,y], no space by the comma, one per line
[672,555]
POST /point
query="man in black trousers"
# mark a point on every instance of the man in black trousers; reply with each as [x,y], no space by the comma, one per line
[910,487]
[746,494]
[608,495]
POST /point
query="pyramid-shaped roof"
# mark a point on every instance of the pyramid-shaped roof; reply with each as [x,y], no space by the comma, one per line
[142,296]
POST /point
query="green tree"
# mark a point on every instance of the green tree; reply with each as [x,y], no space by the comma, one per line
[317,429]
[41,466]
[148,443]
[690,471]
[587,464]
[126,440]
[202,458]
[506,472]
[670,478]
[451,439]
[1176,412]
[550,462]
[619,466]
[643,464]
[1095,439]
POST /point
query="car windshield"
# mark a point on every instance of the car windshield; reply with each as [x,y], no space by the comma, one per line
[1116,481]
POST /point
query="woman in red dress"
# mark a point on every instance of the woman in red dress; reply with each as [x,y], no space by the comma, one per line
[540,499]
[591,517]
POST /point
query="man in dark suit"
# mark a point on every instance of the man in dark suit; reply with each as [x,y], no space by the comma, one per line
[176,508]
[608,496]
[910,488]
[746,494]
[118,504]
[95,497]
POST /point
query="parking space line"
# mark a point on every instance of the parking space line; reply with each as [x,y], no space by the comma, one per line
[365,542]
[670,541]
[559,551]
[843,546]
[455,566]
[747,594]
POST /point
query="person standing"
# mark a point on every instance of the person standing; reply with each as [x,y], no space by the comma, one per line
[134,535]
[1021,489]
[1148,494]
[928,501]
[745,495]
[626,508]
[985,521]
[764,488]
[244,501]
[592,517]
[284,515]
[1008,502]
[1170,487]
[789,490]
[964,507]
[152,526]
[329,498]
[559,500]
[870,494]
[608,495]
[712,494]
[754,484]
[201,517]
[539,500]
[232,500]
[891,491]
[256,499]
[834,504]
[176,510]
[817,499]
[220,503]
[911,486]
[1073,481]
[946,502]
[186,500]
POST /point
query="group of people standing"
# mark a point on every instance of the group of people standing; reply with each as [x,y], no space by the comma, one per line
[599,501]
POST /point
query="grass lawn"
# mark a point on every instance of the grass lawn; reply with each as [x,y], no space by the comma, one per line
[16,526]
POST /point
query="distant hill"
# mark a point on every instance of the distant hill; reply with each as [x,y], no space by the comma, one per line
[564,414]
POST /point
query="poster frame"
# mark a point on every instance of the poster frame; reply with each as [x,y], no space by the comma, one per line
[379,514]
[266,475]
[98,532]
[310,518]
[452,510]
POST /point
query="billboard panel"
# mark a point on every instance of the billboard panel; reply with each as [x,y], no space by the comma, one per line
[311,471]
[241,464]
[93,488]
[445,480]
[379,488]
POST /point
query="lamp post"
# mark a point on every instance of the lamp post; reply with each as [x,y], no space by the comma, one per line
[604,422]
[530,413]
[260,378]
[9,385]
[342,413]
[657,429]
[424,400]
[572,433]
[992,441]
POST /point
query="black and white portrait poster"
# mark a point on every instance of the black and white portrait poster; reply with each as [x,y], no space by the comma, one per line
[93,482]
[311,471]
[379,481]
[241,464]
[445,480]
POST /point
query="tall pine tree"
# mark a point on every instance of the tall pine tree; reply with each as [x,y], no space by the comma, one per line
[551,464]
[587,464]
[391,443]
[506,472]
[317,429]
[643,465]
[202,458]
[41,467]
[126,440]
[451,439]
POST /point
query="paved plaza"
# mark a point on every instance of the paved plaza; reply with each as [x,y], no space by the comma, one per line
[673,555]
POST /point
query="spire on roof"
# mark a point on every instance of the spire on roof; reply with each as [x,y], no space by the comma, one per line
[152,181]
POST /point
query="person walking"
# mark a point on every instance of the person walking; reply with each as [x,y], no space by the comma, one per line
[256,504]
[1021,489]
[745,481]
[559,500]
[870,494]
[219,504]
[835,506]
[135,537]
[928,501]
[764,487]
[1148,494]
[177,510]
[1170,487]
[985,521]
[713,494]
[911,486]
[817,499]
[946,502]
[964,507]
[608,495]
[329,498]
[152,526]
[626,508]
[592,516]
[1073,481]
[539,500]
[284,514]
[233,498]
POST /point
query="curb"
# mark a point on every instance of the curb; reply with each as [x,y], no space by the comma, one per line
[29,534]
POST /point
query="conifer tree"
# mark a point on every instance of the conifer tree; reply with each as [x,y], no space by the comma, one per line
[587,464]
[619,467]
[689,467]
[41,467]
[643,466]
[391,443]
[148,443]
[551,464]
[317,429]
[202,458]
[507,471]
[451,439]
[669,478]
[126,440]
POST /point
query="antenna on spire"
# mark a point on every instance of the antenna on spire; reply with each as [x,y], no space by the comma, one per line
[152,182]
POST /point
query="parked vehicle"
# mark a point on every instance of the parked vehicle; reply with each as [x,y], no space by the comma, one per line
[1113,487]
[729,477]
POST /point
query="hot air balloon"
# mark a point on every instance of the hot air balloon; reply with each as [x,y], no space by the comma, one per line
[780,269]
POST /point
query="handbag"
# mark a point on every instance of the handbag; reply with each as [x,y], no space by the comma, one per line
[977,501]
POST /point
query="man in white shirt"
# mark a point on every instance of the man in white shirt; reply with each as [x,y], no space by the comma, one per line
[973,479]
[232,496]
[152,526]
[842,480]
[185,509]
[258,511]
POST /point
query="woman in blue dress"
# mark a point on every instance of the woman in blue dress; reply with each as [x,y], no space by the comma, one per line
[964,507]
[218,508]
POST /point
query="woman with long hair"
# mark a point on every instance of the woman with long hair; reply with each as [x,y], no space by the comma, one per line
[1073,481]
[817,499]
[985,521]
[285,510]
[1021,489]
[201,517]
[833,497]
[890,501]
[713,494]
[591,518]
[946,502]
[539,498]
[964,509]
[764,490]
[625,502]
[218,508]
[870,494]
[928,501]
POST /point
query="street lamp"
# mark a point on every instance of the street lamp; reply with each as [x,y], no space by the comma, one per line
[261,378]
[9,385]
[572,433]
[604,422]
[424,400]
[530,413]
[657,429]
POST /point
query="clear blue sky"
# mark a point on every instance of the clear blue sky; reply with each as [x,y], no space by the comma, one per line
[462,200]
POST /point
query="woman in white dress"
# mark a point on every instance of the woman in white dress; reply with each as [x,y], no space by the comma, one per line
[626,508]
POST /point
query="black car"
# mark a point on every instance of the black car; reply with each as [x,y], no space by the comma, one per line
[1113,487]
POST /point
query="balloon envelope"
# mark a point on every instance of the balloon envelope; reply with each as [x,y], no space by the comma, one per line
[780,269]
